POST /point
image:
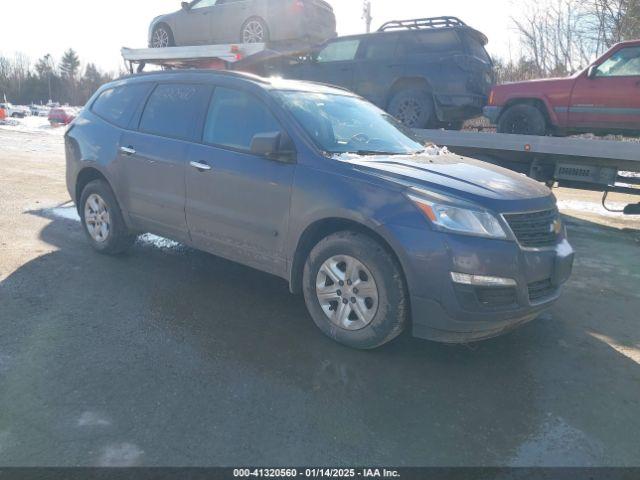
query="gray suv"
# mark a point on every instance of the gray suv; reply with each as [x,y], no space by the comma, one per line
[321,188]
[208,22]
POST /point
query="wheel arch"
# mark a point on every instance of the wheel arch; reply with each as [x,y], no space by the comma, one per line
[405,83]
[325,227]
[540,103]
[85,177]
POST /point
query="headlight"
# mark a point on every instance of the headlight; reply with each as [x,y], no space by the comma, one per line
[459,219]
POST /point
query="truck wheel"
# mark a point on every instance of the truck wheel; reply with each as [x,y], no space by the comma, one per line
[523,120]
[162,37]
[254,30]
[354,290]
[413,107]
[102,219]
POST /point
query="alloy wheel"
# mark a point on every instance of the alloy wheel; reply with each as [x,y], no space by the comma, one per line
[253,32]
[160,38]
[347,292]
[97,218]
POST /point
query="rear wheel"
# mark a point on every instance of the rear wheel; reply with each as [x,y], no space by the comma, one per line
[354,291]
[254,30]
[162,37]
[523,119]
[102,219]
[413,107]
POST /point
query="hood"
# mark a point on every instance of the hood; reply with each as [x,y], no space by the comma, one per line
[465,178]
[545,86]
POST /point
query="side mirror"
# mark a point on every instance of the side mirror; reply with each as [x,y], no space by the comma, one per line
[186,6]
[273,145]
[592,72]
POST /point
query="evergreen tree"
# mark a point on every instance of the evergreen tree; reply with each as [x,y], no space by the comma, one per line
[70,64]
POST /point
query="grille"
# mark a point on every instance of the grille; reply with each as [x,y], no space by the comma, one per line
[541,290]
[534,230]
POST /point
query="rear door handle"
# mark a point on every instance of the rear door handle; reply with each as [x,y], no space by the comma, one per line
[127,151]
[203,167]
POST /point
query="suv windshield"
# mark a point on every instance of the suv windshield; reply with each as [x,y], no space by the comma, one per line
[344,124]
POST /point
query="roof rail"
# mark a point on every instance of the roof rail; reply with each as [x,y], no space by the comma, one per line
[422,24]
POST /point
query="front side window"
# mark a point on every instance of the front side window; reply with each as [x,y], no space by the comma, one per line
[339,51]
[118,105]
[173,110]
[624,63]
[344,124]
[204,4]
[235,117]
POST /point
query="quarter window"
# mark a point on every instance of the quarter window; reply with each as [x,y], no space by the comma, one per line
[174,110]
[436,41]
[118,105]
[339,51]
[235,117]
[624,63]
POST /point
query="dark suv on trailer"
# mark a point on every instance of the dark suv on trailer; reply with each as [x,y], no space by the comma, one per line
[429,72]
[317,186]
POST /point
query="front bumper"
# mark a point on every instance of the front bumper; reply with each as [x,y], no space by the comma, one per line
[452,313]
[492,113]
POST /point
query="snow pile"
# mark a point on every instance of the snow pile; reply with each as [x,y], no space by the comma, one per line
[31,125]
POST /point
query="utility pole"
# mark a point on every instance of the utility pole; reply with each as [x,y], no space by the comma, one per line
[49,71]
[366,14]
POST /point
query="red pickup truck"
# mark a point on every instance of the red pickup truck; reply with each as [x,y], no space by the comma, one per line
[603,99]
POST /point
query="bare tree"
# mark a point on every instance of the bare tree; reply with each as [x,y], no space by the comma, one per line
[552,36]
[613,21]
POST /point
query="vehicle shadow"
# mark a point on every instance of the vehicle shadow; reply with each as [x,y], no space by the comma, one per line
[168,356]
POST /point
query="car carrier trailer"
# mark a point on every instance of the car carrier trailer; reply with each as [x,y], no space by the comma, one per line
[587,164]
[581,163]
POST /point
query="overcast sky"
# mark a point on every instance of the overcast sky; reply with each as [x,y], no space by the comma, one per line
[97,29]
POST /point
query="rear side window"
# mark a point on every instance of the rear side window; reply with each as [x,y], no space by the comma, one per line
[235,117]
[118,105]
[476,48]
[380,47]
[340,51]
[173,110]
[432,41]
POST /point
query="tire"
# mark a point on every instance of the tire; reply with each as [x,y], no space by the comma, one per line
[254,30]
[413,107]
[523,119]
[383,301]
[162,37]
[116,238]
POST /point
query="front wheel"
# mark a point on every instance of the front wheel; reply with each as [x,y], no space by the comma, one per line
[523,120]
[354,290]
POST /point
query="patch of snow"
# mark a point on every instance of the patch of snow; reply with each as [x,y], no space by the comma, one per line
[158,242]
[68,213]
[31,125]
[591,207]
[120,455]
[430,150]
[92,419]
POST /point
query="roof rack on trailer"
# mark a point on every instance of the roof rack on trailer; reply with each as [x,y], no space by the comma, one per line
[216,57]
[422,24]
[190,57]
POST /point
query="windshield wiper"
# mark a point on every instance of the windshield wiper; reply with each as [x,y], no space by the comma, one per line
[370,153]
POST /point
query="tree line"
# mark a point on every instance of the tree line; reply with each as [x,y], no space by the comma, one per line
[63,81]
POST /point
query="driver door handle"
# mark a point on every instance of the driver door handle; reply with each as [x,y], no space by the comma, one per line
[203,167]
[127,151]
